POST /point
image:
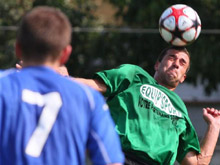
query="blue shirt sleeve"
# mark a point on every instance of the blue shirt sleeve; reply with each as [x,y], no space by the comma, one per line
[103,142]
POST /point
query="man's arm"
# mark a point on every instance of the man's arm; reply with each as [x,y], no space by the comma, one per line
[212,117]
[97,84]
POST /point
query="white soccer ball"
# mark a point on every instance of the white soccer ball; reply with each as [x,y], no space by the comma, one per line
[179,25]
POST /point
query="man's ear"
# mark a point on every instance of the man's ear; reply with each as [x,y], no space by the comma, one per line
[65,54]
[18,50]
[156,66]
[183,78]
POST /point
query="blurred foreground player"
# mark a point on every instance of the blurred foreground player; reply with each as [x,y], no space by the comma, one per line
[46,118]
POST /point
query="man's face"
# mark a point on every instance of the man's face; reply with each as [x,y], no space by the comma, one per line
[172,69]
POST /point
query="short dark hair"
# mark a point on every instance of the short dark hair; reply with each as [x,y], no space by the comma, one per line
[43,33]
[179,48]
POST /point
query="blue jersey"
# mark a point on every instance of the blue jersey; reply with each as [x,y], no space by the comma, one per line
[49,119]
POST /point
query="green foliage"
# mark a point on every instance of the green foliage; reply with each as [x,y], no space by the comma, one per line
[97,51]
[205,62]
[10,15]
[140,13]
[12,11]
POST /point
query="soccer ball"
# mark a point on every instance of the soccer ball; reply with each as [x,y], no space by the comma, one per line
[179,25]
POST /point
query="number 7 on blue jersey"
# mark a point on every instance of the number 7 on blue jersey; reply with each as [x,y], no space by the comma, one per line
[51,103]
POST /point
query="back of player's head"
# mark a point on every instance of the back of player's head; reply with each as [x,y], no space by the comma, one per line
[178,48]
[43,33]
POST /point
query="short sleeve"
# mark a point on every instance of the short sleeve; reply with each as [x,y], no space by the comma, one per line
[117,79]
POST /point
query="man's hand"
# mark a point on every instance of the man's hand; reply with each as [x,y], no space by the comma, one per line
[62,70]
[19,65]
[212,116]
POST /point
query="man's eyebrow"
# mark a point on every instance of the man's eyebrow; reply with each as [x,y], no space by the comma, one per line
[171,55]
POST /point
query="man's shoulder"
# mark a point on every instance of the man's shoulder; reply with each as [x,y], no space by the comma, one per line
[131,66]
[7,72]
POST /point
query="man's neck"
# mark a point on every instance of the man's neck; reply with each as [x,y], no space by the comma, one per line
[52,65]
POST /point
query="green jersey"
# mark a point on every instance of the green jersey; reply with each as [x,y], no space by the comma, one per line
[152,121]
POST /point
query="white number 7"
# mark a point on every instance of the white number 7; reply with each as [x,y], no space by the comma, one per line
[51,103]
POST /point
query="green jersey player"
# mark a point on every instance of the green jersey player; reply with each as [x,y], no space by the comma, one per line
[152,121]
[151,118]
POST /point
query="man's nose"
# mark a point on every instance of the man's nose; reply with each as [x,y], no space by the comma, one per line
[176,63]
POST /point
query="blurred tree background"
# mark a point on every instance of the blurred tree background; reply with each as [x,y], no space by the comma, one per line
[97,50]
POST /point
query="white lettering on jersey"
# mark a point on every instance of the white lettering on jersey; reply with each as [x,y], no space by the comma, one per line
[159,99]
